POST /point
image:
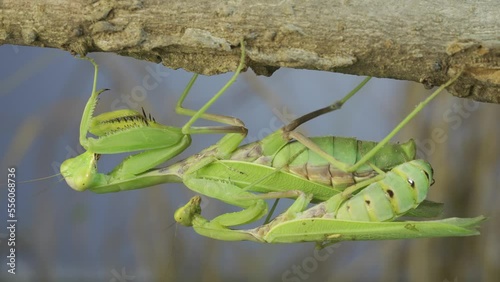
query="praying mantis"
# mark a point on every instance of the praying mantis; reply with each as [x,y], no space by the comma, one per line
[283,164]
[368,215]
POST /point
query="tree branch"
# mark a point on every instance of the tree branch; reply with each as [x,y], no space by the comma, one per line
[423,41]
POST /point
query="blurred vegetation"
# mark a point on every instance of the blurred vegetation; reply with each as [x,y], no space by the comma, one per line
[68,236]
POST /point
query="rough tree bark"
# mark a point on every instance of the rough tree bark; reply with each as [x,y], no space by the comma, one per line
[425,41]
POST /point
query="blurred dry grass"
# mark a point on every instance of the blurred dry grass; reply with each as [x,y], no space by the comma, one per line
[65,234]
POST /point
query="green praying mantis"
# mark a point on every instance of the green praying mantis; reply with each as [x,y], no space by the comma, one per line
[368,215]
[284,164]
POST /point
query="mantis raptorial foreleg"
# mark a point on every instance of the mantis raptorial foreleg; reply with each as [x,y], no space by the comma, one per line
[128,131]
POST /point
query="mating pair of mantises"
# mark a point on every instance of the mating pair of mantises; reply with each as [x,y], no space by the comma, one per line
[358,188]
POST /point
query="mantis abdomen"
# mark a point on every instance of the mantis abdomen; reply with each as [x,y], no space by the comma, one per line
[403,188]
[297,159]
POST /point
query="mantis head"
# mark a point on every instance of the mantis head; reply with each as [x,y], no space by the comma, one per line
[80,172]
[185,215]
